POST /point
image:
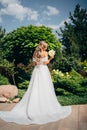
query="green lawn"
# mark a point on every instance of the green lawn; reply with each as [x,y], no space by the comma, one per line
[71,100]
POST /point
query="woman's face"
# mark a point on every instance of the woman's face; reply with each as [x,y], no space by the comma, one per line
[44,47]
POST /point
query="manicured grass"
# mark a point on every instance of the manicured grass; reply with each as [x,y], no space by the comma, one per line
[72,100]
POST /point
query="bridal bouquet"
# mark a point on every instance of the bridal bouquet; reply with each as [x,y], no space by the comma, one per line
[51,53]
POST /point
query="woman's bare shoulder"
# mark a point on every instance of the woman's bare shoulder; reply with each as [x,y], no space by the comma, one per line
[45,53]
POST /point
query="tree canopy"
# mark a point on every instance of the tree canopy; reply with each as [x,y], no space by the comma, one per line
[20,44]
[74,34]
[2,34]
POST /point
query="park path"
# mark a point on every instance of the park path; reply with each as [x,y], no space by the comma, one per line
[76,121]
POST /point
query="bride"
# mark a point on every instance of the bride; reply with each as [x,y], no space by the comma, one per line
[39,104]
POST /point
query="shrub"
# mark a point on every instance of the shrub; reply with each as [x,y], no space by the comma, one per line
[69,85]
[71,82]
[62,64]
[83,82]
[75,76]
[3,80]
[66,64]
[23,85]
[61,91]
[21,93]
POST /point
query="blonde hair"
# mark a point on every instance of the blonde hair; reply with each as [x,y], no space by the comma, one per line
[43,44]
[39,50]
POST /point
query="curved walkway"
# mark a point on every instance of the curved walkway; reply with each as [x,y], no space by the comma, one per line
[76,121]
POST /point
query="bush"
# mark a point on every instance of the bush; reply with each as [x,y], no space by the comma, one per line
[21,93]
[66,64]
[61,91]
[22,76]
[84,82]
[67,83]
[23,85]
[62,64]
[3,80]
[75,76]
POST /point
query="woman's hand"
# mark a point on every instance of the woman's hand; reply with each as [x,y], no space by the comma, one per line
[51,57]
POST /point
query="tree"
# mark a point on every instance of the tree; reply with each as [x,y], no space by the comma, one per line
[20,44]
[2,34]
[74,35]
[8,69]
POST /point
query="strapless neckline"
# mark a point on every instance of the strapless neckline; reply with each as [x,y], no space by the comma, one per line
[45,57]
[41,59]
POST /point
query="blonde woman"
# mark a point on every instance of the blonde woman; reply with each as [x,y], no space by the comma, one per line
[40,53]
[39,104]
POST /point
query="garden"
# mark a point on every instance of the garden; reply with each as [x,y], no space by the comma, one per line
[68,69]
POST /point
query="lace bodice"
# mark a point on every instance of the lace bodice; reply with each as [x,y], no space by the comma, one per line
[42,59]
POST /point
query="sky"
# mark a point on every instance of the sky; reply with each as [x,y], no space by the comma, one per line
[51,13]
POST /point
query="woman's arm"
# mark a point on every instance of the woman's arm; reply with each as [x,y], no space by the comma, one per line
[48,61]
[34,63]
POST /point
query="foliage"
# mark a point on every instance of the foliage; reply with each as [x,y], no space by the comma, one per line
[2,34]
[21,93]
[84,65]
[72,100]
[20,44]
[66,64]
[69,83]
[75,76]
[74,36]
[8,69]
[84,82]
[3,80]
[62,64]
[23,85]
[63,99]
[61,91]
[23,76]
[83,68]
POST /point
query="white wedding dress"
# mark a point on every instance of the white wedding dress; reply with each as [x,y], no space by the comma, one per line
[39,104]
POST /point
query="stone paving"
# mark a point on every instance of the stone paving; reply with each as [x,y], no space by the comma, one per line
[76,121]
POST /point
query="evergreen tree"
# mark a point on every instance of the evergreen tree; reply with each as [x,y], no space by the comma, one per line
[2,34]
[74,35]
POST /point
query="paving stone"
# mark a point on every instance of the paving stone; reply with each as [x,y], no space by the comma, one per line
[76,121]
[82,126]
